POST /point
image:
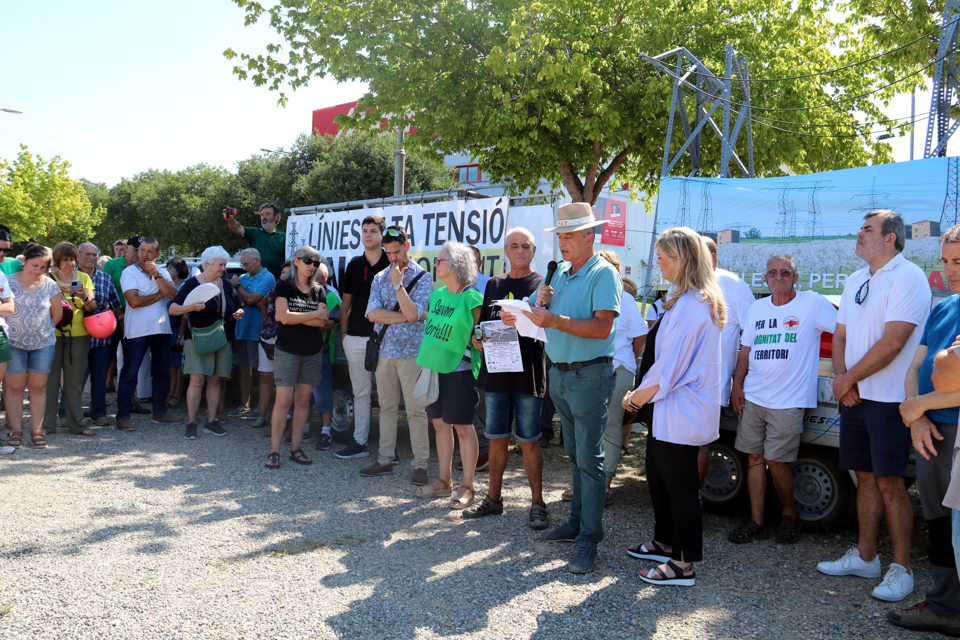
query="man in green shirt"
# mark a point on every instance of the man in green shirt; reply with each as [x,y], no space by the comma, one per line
[115,266]
[8,264]
[267,240]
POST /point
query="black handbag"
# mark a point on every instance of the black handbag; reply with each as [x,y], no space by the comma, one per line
[372,355]
[645,414]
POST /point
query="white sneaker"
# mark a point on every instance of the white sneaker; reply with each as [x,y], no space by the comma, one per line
[7,450]
[896,585]
[851,564]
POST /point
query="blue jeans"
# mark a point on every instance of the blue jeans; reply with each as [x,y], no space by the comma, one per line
[323,392]
[134,350]
[956,535]
[526,408]
[97,363]
[582,399]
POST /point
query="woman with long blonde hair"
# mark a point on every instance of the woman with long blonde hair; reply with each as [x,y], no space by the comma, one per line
[683,382]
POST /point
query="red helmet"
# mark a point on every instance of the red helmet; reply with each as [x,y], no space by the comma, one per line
[101,325]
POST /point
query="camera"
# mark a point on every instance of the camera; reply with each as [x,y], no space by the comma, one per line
[229,211]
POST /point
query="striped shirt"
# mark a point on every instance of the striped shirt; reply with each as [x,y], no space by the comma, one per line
[106,294]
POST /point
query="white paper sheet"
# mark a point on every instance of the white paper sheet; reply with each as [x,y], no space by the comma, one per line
[501,347]
[525,326]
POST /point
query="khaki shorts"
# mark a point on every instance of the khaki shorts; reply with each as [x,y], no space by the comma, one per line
[773,432]
[217,363]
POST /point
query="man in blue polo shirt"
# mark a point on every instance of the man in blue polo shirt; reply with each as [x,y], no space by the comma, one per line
[578,309]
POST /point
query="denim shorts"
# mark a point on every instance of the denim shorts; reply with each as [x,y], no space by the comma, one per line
[37,361]
[526,410]
[874,439]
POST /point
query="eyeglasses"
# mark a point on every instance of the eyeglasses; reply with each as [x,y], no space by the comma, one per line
[437,261]
[858,299]
[782,273]
[315,263]
[7,250]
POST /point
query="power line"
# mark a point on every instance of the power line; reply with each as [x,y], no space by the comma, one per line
[825,135]
[853,124]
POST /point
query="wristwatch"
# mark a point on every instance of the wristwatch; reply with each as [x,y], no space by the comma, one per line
[158,277]
[398,286]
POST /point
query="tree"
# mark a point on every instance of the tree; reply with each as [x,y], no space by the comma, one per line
[754,233]
[38,199]
[556,90]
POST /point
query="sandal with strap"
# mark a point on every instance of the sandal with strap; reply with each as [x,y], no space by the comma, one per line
[298,456]
[39,440]
[789,530]
[273,461]
[14,441]
[679,579]
[655,552]
[748,533]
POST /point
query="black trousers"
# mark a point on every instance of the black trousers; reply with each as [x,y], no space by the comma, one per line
[675,491]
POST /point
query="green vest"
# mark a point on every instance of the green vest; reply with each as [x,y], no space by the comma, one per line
[447,330]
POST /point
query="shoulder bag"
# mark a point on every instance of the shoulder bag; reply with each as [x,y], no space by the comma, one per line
[372,355]
[213,338]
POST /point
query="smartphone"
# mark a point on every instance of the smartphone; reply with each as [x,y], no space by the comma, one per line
[478,333]
[75,285]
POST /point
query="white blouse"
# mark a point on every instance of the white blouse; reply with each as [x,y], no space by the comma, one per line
[687,368]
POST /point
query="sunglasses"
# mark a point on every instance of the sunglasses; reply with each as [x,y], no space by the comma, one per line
[858,298]
[395,233]
[7,250]
[315,263]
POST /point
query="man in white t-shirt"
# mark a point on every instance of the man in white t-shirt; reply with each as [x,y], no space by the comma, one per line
[146,328]
[881,309]
[776,379]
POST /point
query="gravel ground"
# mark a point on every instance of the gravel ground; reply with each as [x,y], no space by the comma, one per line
[148,535]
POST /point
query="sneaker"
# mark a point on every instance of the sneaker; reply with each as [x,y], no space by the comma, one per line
[353,450]
[101,421]
[920,618]
[138,409]
[165,419]
[563,533]
[190,433]
[124,424]
[306,434]
[214,429]
[239,412]
[376,469]
[487,507]
[538,518]
[851,564]
[584,560]
[896,585]
[396,457]
[324,441]
[252,415]
[7,450]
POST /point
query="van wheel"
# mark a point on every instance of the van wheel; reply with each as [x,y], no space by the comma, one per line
[725,485]
[824,494]
[342,422]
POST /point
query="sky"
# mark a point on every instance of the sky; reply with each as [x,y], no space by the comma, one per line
[117,88]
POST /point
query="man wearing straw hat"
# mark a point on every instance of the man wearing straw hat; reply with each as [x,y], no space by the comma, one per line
[578,309]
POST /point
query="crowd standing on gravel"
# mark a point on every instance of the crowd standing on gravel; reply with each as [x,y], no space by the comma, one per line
[68,315]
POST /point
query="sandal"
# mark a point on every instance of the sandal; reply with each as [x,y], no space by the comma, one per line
[172,401]
[298,456]
[567,496]
[427,492]
[748,533]
[462,502]
[273,461]
[14,441]
[85,432]
[789,530]
[655,552]
[39,440]
[679,579]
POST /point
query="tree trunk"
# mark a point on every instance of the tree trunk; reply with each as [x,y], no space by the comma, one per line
[576,188]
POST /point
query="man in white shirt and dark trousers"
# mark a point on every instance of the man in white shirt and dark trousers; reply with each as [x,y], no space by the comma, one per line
[146,328]
[882,308]
[779,358]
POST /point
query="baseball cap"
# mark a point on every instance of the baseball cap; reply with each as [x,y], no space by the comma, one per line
[135,241]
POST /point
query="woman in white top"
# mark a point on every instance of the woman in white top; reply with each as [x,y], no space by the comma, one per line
[684,384]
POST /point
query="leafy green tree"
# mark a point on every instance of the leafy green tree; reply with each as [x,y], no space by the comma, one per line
[754,233]
[556,90]
[38,199]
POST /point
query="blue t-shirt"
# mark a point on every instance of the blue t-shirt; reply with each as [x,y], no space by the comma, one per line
[248,327]
[942,328]
[595,287]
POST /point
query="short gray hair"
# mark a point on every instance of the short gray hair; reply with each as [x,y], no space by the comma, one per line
[253,253]
[891,223]
[951,235]
[322,274]
[785,258]
[461,262]
[524,231]
[213,254]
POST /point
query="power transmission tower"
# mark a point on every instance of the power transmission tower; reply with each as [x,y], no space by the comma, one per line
[683,208]
[705,222]
[945,84]
[949,217]
[814,224]
[876,200]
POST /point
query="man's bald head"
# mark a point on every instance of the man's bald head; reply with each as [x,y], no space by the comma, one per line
[712,246]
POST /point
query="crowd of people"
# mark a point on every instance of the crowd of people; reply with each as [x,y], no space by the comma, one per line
[706,343]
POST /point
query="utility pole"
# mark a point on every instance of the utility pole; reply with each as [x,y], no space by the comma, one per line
[399,160]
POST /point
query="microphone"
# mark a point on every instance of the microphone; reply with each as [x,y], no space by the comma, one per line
[551,269]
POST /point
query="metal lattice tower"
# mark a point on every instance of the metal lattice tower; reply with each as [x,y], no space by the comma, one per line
[787,215]
[705,221]
[683,207]
[951,208]
[814,224]
[945,85]
[877,200]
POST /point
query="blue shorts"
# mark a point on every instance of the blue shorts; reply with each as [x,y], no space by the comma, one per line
[874,439]
[526,409]
[37,361]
